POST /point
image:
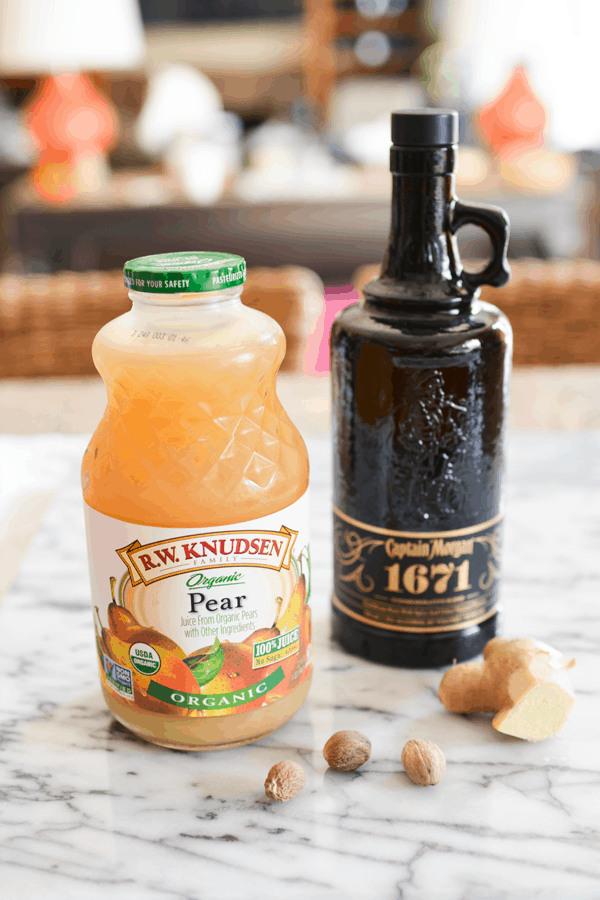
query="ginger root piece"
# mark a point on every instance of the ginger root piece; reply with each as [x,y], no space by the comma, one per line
[525,682]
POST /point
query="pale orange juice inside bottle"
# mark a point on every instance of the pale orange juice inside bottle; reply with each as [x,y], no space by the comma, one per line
[195,487]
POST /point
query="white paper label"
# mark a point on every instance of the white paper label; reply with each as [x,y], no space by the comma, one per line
[207,621]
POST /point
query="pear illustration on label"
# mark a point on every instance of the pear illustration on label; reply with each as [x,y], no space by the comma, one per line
[131,655]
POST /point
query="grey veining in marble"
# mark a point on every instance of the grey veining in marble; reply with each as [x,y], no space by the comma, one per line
[89,812]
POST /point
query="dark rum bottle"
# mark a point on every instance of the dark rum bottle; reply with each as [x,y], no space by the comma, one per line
[420,374]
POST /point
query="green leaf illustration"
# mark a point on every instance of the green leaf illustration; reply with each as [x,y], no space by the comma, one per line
[206,663]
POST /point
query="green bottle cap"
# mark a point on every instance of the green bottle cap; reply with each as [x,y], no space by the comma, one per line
[184,273]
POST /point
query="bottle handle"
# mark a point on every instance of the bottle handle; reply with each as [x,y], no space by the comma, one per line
[494,222]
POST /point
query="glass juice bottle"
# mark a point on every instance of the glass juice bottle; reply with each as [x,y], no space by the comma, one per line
[420,375]
[195,487]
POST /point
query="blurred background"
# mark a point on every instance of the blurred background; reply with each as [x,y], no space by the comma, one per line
[261,127]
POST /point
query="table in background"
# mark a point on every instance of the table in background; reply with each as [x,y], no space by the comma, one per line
[331,236]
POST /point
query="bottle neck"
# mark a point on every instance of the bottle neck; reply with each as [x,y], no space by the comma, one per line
[421,261]
[203,299]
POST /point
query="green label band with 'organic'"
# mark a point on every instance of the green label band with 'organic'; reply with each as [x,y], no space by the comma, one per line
[216,701]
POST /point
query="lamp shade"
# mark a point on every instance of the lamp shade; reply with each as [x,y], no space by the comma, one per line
[56,36]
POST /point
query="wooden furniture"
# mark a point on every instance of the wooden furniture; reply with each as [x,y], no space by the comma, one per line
[553,306]
[340,39]
[48,323]
[144,213]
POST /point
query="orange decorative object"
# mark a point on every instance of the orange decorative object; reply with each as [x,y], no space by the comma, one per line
[72,124]
[515,121]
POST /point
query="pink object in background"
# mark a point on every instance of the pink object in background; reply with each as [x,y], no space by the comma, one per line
[316,357]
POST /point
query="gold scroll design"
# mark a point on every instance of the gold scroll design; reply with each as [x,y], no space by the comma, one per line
[352,555]
[491,543]
[170,564]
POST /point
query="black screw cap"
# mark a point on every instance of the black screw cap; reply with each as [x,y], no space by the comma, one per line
[424,127]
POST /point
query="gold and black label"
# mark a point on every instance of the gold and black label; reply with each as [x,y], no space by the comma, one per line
[421,582]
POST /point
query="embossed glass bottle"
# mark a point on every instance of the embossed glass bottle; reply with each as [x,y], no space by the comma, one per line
[196,505]
[420,375]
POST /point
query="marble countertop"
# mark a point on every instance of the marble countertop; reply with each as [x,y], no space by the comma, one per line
[89,812]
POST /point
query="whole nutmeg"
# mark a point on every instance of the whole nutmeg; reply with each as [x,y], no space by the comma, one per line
[423,762]
[285,780]
[347,750]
